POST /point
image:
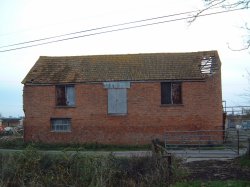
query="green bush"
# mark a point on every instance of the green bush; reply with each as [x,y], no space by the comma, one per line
[18,143]
[32,168]
[244,161]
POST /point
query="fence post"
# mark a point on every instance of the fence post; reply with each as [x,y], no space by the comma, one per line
[169,156]
[238,141]
[165,140]
[248,147]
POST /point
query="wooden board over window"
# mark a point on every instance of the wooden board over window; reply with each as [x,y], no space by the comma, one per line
[117,101]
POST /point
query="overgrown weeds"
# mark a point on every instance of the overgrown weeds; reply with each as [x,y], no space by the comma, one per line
[228,183]
[244,161]
[33,168]
[18,143]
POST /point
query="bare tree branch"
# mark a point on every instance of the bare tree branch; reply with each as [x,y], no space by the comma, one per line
[241,49]
[226,4]
[223,4]
[210,5]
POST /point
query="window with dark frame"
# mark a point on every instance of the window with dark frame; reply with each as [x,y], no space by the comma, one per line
[60,124]
[65,95]
[171,93]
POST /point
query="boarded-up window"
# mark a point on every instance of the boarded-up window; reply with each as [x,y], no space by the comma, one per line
[117,97]
[65,95]
[60,125]
[171,93]
[117,101]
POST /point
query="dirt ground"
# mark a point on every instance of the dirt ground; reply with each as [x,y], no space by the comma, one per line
[217,170]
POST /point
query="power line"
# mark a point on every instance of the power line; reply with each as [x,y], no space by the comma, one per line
[98,28]
[113,30]
[105,27]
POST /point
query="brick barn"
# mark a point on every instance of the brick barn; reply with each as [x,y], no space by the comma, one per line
[121,99]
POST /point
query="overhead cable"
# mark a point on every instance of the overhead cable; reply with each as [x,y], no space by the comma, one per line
[112,30]
[98,28]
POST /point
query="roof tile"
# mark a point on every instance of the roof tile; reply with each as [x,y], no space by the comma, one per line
[128,67]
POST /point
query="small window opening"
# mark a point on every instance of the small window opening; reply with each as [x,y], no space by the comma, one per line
[65,95]
[61,124]
[171,93]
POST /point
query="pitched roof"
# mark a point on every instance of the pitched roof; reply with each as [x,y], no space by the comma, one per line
[128,67]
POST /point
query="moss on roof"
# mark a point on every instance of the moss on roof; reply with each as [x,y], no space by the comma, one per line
[128,67]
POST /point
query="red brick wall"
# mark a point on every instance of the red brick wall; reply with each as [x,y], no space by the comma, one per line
[146,118]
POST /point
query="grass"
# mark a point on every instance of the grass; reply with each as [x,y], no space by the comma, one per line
[197,147]
[32,168]
[18,143]
[244,161]
[229,183]
[90,147]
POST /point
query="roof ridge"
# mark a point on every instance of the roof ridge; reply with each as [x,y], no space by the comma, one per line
[120,54]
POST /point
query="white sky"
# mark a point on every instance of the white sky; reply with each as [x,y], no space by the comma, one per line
[29,20]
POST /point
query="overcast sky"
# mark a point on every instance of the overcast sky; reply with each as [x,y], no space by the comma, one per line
[27,20]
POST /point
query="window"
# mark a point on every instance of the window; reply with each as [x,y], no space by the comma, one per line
[60,125]
[65,95]
[117,101]
[171,93]
[117,97]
